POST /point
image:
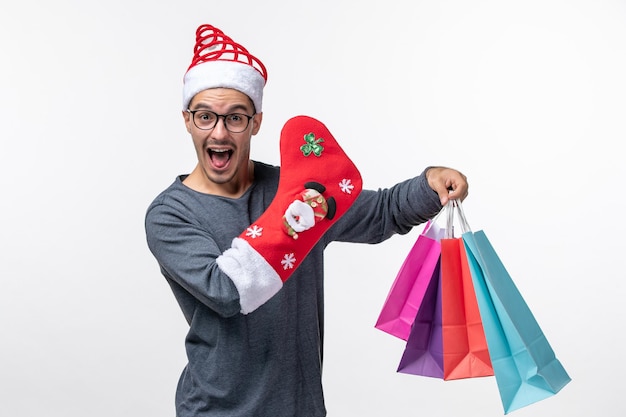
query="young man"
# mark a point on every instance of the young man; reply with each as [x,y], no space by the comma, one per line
[254,344]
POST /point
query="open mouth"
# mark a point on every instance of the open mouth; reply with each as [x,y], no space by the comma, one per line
[220,157]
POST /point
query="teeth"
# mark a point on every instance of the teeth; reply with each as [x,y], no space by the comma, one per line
[222,154]
[220,151]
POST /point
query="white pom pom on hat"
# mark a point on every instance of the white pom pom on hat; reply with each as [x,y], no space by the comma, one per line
[218,61]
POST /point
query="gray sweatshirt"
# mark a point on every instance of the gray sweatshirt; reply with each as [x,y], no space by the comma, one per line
[268,362]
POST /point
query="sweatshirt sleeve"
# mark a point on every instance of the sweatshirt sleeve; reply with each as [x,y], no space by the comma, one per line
[378,215]
[187,255]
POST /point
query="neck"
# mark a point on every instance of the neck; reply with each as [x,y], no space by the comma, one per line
[235,188]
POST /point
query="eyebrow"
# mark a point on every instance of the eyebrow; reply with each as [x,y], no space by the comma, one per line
[233,108]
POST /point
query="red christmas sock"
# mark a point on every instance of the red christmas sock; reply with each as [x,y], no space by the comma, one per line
[318,184]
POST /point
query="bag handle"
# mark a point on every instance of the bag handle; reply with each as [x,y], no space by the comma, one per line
[451,207]
[431,222]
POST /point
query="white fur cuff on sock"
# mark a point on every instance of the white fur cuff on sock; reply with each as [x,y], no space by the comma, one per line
[254,278]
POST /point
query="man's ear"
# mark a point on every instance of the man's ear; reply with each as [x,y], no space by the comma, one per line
[256,120]
[188,121]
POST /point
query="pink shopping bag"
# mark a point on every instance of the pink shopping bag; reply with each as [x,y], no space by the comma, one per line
[407,292]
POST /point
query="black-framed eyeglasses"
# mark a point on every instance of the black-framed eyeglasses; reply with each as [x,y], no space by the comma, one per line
[207,120]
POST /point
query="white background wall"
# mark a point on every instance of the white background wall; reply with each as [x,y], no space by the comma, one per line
[525,97]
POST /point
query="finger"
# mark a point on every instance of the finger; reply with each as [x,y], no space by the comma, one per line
[444,195]
[458,191]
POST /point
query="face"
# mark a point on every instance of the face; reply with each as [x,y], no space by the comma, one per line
[224,166]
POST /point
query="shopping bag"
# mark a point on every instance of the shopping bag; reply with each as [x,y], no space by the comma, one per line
[525,366]
[409,287]
[465,351]
[447,340]
[423,353]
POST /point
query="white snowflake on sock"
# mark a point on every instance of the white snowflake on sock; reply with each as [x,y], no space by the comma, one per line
[346,186]
[254,231]
[288,261]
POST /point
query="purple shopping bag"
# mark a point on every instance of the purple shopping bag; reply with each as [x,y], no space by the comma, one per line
[423,354]
[407,292]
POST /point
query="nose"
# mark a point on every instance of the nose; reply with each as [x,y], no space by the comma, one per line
[220,127]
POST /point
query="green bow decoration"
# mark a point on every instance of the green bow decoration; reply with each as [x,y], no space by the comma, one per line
[312,145]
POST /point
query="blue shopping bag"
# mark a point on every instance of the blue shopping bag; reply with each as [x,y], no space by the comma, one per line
[524,364]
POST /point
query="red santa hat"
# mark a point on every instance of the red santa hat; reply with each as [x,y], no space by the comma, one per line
[218,61]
